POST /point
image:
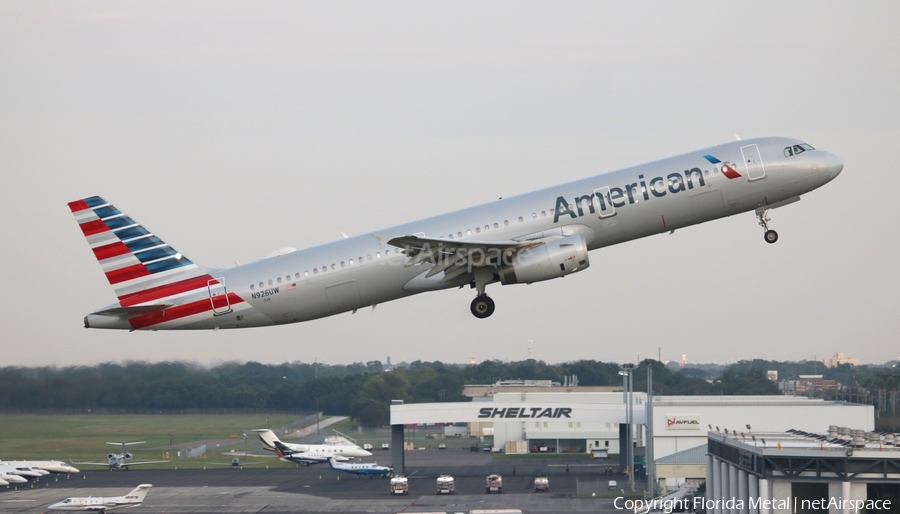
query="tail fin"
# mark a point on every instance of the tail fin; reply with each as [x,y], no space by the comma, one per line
[268,438]
[139,266]
[138,493]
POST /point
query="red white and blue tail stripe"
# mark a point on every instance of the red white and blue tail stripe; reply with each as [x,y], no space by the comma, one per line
[155,284]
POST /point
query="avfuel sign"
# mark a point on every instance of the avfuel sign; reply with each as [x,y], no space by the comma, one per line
[471,412]
[682,422]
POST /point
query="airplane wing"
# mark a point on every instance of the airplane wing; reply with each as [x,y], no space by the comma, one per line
[457,256]
[126,464]
[231,464]
[104,464]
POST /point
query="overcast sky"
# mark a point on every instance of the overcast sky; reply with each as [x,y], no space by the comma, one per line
[234,129]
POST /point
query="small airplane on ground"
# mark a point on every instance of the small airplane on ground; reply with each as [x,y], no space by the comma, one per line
[54,466]
[21,470]
[372,470]
[104,504]
[121,460]
[309,453]
[235,463]
[10,475]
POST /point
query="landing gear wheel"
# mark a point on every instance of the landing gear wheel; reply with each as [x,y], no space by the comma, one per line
[771,236]
[482,306]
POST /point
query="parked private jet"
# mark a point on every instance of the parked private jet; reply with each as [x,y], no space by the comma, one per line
[53,466]
[372,470]
[523,239]
[308,453]
[121,460]
[104,504]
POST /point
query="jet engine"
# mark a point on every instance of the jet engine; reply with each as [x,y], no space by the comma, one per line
[111,456]
[128,456]
[550,260]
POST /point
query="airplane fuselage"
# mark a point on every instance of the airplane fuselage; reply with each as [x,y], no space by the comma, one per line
[605,209]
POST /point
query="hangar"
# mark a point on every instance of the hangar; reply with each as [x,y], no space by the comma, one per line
[577,422]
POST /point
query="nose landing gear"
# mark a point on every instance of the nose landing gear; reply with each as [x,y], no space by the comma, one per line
[762,214]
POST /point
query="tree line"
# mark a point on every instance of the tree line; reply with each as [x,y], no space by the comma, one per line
[361,390]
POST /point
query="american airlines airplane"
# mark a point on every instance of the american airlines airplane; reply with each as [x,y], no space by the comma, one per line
[528,238]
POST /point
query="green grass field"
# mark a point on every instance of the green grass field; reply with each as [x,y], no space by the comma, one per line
[82,437]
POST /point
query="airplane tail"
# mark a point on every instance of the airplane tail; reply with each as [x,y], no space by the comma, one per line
[138,493]
[138,265]
[268,438]
[331,463]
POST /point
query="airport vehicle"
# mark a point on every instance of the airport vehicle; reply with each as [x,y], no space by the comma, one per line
[524,239]
[53,466]
[446,484]
[385,446]
[308,453]
[399,485]
[104,504]
[121,460]
[372,470]
[541,484]
[493,484]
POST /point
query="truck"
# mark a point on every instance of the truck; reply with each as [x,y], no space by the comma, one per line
[541,484]
[399,485]
[445,485]
[493,484]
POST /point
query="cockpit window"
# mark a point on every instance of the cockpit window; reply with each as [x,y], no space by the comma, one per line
[797,149]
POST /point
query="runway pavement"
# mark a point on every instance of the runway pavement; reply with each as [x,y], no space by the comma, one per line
[319,489]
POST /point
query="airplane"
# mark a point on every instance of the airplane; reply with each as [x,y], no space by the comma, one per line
[121,460]
[372,470]
[308,453]
[528,238]
[53,466]
[10,474]
[235,463]
[21,471]
[104,504]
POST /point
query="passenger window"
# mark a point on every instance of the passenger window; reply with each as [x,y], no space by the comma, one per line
[252,287]
[552,211]
[477,230]
[543,214]
[497,225]
[369,256]
[279,280]
[359,260]
[270,281]
[306,273]
[487,227]
[342,264]
[788,152]
[468,232]
[534,215]
[351,262]
[387,252]
[378,254]
[521,219]
[333,266]
[288,278]
[297,275]
[450,236]
[315,271]
[459,234]
[261,285]
[505,223]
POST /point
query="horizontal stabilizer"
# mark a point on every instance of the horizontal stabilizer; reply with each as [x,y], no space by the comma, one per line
[131,312]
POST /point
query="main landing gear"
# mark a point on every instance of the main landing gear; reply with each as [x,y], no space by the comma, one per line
[482,306]
[762,214]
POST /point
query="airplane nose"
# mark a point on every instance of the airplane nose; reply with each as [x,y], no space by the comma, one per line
[833,164]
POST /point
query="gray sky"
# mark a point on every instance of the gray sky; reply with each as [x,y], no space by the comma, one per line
[233,129]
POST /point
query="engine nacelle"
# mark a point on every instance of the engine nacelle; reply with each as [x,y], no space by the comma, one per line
[111,456]
[550,260]
[128,456]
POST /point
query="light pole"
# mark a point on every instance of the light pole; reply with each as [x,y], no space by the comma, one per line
[627,381]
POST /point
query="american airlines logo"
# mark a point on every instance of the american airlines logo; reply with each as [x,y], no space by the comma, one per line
[683,422]
[605,200]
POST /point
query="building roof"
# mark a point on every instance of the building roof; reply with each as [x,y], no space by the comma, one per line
[695,455]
